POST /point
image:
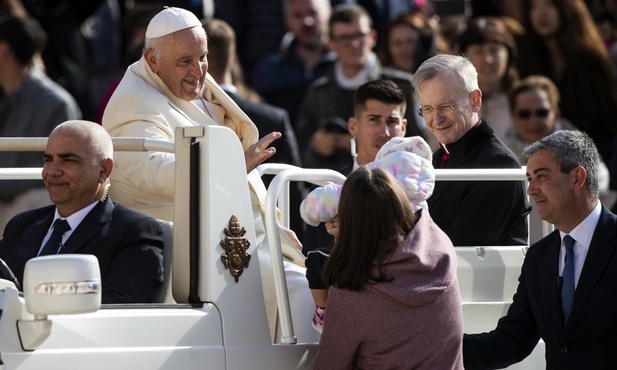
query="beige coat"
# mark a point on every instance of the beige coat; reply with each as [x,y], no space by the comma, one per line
[143,106]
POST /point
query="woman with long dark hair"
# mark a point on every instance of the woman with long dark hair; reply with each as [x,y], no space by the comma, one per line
[562,42]
[406,43]
[491,47]
[393,299]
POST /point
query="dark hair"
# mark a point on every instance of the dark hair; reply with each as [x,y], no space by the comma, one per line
[221,45]
[348,13]
[482,30]
[24,36]
[577,29]
[590,101]
[534,82]
[375,216]
[416,23]
[384,91]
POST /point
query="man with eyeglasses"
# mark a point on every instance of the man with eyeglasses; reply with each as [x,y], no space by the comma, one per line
[470,212]
[322,123]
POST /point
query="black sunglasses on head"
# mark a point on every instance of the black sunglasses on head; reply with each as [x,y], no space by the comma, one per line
[526,113]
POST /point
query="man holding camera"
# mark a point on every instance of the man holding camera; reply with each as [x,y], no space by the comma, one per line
[322,130]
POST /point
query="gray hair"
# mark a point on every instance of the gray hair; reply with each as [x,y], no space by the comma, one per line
[571,149]
[462,72]
[156,44]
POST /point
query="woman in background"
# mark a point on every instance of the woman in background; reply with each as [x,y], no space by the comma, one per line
[393,299]
[562,42]
[491,47]
[408,41]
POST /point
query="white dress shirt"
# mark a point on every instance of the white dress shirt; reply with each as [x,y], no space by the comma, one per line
[74,220]
[582,235]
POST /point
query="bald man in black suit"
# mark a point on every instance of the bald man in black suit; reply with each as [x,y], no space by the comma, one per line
[128,245]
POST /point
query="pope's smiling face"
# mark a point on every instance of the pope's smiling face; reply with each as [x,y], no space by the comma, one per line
[180,61]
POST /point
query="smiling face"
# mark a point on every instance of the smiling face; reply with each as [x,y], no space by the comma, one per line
[181,62]
[73,175]
[376,124]
[449,127]
[533,116]
[552,190]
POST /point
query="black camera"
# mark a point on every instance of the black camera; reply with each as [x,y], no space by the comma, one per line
[452,7]
[335,125]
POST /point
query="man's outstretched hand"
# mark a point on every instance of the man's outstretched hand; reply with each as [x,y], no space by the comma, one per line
[257,153]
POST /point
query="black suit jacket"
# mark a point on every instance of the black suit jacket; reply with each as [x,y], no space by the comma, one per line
[269,118]
[127,244]
[589,338]
[480,212]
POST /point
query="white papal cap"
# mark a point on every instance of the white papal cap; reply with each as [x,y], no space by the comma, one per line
[170,20]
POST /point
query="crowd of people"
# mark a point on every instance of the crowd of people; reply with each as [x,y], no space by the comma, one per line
[312,57]
[448,84]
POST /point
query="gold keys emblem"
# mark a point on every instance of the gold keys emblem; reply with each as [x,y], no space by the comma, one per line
[235,244]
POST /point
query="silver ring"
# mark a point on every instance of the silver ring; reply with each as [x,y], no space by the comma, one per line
[257,150]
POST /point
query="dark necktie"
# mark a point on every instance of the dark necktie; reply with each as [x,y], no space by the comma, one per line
[445,156]
[55,240]
[567,287]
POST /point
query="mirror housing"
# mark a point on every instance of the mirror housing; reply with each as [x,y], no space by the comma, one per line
[62,284]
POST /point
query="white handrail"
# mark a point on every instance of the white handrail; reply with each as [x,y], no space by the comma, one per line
[14,173]
[36,144]
[274,240]
[271,168]
[283,198]
[121,144]
[480,174]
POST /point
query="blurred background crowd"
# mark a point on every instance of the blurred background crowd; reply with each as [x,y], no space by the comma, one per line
[543,65]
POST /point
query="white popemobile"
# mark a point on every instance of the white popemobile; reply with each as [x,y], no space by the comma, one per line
[218,285]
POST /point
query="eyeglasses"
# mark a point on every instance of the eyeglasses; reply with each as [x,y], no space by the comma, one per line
[444,109]
[526,113]
[348,39]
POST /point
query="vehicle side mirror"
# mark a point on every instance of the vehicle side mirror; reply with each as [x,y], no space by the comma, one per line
[62,284]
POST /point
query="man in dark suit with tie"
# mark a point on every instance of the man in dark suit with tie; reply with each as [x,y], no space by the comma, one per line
[470,212]
[128,245]
[567,287]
